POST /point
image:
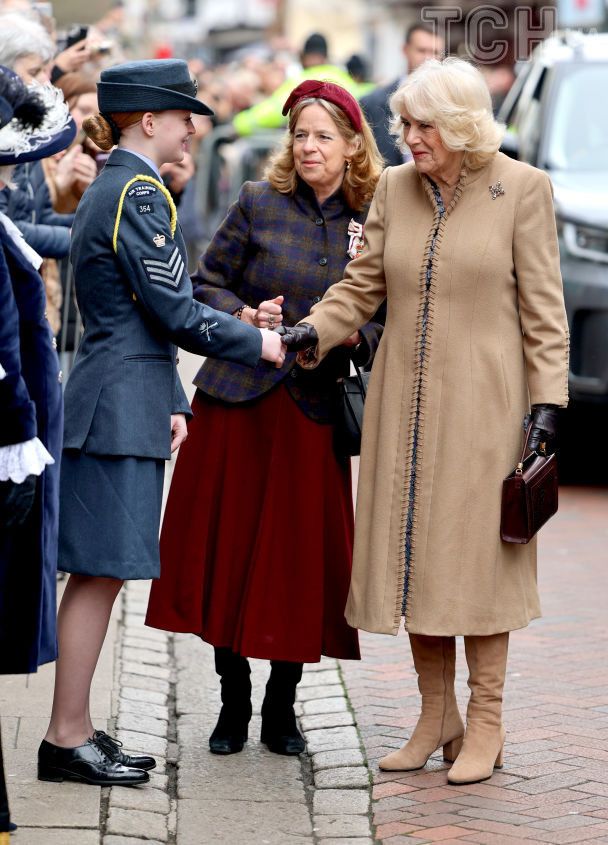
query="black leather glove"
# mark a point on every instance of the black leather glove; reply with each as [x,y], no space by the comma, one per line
[544,429]
[16,501]
[296,338]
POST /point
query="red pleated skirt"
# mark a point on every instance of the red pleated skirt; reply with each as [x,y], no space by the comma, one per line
[256,543]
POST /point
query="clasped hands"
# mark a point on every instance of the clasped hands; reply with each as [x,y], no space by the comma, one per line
[269,318]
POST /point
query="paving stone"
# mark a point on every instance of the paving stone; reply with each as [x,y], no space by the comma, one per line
[326,720]
[332,739]
[158,779]
[236,822]
[128,840]
[308,693]
[141,724]
[332,801]
[144,708]
[337,759]
[144,682]
[324,705]
[43,804]
[137,823]
[131,667]
[325,677]
[145,655]
[341,826]
[145,633]
[149,800]
[351,777]
[349,840]
[131,641]
[62,836]
[143,742]
[143,695]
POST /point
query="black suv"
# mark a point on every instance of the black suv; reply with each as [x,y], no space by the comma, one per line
[557,119]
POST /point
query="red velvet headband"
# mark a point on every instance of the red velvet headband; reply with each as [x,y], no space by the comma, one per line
[326,91]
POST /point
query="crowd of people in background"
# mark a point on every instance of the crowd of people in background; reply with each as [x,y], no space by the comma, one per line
[246,92]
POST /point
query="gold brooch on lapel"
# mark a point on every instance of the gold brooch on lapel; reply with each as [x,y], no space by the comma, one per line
[496,190]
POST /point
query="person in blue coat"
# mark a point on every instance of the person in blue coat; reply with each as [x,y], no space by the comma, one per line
[31,417]
[125,408]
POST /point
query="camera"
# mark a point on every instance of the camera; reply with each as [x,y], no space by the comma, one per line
[76,33]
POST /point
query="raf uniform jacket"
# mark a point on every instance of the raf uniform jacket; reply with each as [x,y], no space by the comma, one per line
[135,298]
[272,244]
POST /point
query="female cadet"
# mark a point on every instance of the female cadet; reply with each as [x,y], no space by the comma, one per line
[125,406]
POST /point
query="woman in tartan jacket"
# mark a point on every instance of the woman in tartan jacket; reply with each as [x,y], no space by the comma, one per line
[255,572]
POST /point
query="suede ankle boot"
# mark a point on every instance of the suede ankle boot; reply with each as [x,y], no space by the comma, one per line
[482,749]
[231,730]
[279,729]
[439,723]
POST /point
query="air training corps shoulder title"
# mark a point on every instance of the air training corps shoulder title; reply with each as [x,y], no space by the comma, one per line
[140,190]
[150,241]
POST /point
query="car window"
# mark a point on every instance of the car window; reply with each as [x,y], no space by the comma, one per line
[578,130]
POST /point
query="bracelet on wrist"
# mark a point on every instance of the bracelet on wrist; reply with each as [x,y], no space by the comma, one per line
[239,313]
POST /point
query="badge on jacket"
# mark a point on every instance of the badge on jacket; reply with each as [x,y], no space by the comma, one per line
[356,239]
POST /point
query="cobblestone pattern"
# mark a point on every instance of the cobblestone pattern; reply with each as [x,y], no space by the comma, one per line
[144,674]
[554,785]
[341,800]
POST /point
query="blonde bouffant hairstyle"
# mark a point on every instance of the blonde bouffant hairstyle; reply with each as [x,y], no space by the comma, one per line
[451,95]
[366,164]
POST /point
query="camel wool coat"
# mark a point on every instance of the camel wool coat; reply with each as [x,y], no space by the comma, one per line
[466,350]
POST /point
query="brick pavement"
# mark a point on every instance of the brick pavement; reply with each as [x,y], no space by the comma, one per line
[554,785]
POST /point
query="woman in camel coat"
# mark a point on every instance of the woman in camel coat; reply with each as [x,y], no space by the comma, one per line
[462,243]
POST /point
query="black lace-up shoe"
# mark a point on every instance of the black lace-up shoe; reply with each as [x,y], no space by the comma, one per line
[88,763]
[112,747]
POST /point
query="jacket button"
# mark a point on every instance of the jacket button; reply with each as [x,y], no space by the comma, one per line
[60,376]
[316,299]
[177,359]
[294,373]
[319,221]
[322,261]
[54,342]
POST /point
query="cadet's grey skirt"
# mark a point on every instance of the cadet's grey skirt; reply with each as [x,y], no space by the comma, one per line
[109,515]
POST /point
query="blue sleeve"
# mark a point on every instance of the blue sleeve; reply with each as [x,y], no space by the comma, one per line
[18,417]
[154,263]
[48,241]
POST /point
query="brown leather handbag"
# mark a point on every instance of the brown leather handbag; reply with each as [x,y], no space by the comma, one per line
[529,495]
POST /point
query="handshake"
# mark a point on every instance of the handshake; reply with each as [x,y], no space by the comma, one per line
[276,342]
[276,338]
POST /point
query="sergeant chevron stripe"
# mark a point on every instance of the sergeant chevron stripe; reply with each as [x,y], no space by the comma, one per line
[166,272]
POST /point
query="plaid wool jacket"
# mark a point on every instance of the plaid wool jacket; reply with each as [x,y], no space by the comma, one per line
[271,244]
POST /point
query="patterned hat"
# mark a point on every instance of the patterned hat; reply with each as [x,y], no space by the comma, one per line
[34,120]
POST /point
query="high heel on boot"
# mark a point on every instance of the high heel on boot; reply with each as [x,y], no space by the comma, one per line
[451,749]
[476,762]
[482,749]
[440,724]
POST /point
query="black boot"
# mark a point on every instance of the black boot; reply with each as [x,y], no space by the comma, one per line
[279,730]
[230,733]
[5,817]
